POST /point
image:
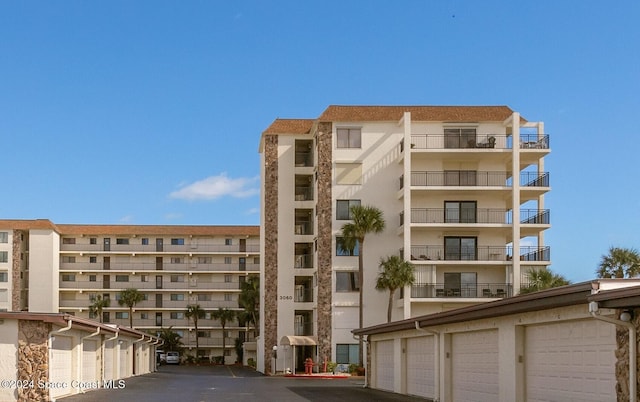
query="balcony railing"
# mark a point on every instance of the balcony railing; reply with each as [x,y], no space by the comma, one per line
[304,193]
[303,295]
[166,248]
[479,290]
[303,329]
[534,179]
[479,253]
[479,215]
[152,266]
[304,159]
[482,141]
[152,284]
[474,178]
[303,227]
[303,261]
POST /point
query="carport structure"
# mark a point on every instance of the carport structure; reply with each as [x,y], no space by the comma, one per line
[567,343]
[61,354]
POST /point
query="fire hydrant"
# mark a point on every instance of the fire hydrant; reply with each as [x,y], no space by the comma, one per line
[308,366]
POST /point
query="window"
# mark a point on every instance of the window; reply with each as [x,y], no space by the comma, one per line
[93,240]
[144,316]
[68,240]
[145,241]
[122,278]
[460,212]
[177,278]
[4,277]
[122,315]
[228,297]
[227,260]
[4,237]
[349,137]
[460,137]
[144,278]
[343,208]
[4,256]
[68,259]
[227,352]
[177,260]
[227,278]
[177,242]
[460,284]
[177,297]
[122,241]
[342,250]
[176,315]
[228,242]
[68,277]
[204,334]
[93,260]
[256,260]
[158,319]
[347,281]
[204,297]
[460,248]
[204,260]
[347,353]
[348,173]
[92,278]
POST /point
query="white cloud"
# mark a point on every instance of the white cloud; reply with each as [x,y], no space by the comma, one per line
[253,211]
[218,186]
[126,219]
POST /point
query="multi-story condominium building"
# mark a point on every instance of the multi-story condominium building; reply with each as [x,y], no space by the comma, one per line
[47,267]
[462,192]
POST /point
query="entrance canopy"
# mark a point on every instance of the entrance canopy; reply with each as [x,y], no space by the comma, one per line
[293,340]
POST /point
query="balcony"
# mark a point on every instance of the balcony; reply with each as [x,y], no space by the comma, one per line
[303,294]
[152,266]
[477,141]
[479,253]
[304,153]
[167,248]
[303,193]
[303,261]
[480,290]
[303,329]
[474,178]
[167,285]
[478,215]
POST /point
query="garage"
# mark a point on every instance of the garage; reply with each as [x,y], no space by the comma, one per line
[89,360]
[124,360]
[570,361]
[384,365]
[474,366]
[60,365]
[420,366]
[109,359]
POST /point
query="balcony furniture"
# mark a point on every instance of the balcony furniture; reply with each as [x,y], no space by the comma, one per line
[486,293]
[490,143]
[500,293]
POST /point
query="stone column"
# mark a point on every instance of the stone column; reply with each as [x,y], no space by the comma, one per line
[33,359]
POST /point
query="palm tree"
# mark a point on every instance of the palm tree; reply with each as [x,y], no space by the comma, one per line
[194,311]
[171,340]
[224,315]
[619,263]
[249,299]
[543,278]
[396,274]
[130,297]
[97,305]
[364,220]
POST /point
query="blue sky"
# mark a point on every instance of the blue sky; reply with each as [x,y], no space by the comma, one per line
[150,112]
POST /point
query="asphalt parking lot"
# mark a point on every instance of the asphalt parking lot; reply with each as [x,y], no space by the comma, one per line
[233,383]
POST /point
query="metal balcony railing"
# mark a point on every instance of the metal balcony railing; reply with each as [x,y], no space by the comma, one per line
[303,329]
[303,295]
[479,290]
[534,179]
[152,266]
[304,193]
[303,227]
[166,248]
[303,261]
[459,178]
[481,141]
[479,215]
[304,159]
[534,141]
[479,253]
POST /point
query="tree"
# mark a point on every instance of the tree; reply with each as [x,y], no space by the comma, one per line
[249,299]
[224,315]
[396,273]
[619,263]
[130,297]
[364,220]
[171,339]
[194,311]
[97,305]
[543,278]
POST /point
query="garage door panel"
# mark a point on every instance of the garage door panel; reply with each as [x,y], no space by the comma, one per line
[384,365]
[89,360]
[60,364]
[475,366]
[420,366]
[570,361]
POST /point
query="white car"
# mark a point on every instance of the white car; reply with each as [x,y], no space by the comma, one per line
[173,358]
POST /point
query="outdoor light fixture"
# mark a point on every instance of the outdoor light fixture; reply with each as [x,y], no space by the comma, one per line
[626,316]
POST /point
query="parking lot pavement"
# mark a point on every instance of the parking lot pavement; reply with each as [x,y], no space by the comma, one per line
[233,383]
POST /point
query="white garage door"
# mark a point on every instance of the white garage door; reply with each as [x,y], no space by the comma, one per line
[384,365]
[570,361]
[109,352]
[89,360]
[124,360]
[420,366]
[60,365]
[474,366]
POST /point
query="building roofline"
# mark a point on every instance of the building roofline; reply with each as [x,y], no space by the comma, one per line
[580,293]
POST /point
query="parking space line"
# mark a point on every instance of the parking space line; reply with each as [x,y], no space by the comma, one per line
[231,371]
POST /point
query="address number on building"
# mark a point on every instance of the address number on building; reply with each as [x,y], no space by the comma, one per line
[286,297]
